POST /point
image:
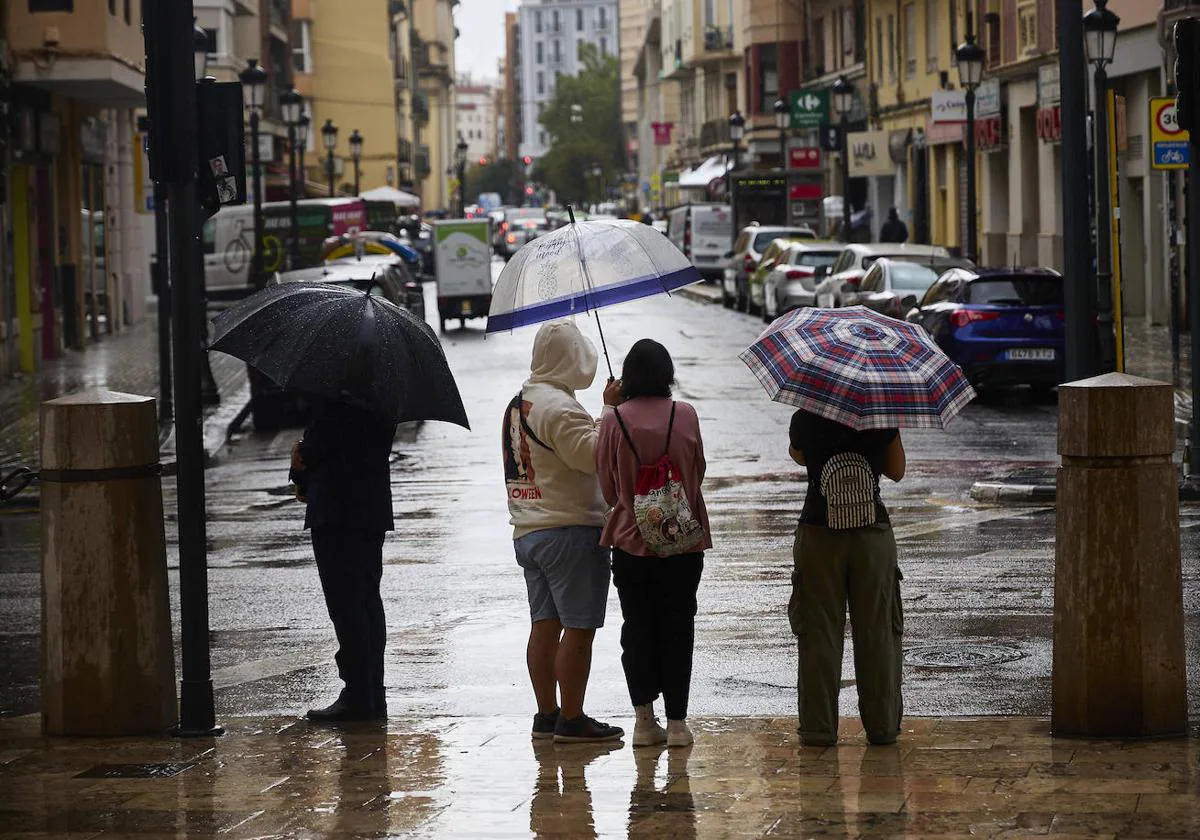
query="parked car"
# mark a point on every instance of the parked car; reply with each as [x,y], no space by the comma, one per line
[770,258]
[747,251]
[792,282]
[840,287]
[701,232]
[1003,326]
[520,226]
[272,407]
[894,287]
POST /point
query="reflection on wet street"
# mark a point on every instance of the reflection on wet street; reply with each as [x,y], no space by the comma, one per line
[482,777]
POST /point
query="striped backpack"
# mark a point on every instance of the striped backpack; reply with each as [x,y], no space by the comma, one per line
[848,485]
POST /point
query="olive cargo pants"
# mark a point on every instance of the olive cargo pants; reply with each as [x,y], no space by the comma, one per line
[833,569]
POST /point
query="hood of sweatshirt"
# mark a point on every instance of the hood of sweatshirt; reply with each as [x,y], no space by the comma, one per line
[563,357]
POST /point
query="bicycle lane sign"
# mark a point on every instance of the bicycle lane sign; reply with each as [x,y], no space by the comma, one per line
[1170,143]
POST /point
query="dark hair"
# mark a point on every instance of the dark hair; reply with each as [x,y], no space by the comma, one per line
[648,371]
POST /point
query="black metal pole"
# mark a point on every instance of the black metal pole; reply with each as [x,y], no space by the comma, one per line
[294,187]
[1077,269]
[1176,292]
[783,161]
[1105,339]
[972,252]
[329,166]
[210,395]
[162,260]
[845,178]
[256,264]
[462,189]
[729,179]
[1193,298]
[921,210]
[356,173]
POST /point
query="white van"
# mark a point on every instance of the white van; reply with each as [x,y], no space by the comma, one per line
[703,232]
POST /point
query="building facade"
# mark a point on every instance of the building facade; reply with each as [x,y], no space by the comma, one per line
[550,32]
[433,57]
[475,107]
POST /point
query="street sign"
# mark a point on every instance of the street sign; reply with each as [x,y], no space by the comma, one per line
[1170,143]
[810,108]
[831,138]
[808,157]
[143,187]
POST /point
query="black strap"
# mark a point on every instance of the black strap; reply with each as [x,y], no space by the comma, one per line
[629,440]
[519,405]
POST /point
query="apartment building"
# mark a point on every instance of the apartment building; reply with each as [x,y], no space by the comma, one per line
[632,15]
[657,119]
[405,96]
[475,107]
[550,32]
[512,86]
[433,55]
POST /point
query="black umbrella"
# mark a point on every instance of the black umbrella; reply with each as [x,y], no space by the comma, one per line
[344,344]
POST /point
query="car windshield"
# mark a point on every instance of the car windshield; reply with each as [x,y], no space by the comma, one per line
[911,277]
[762,240]
[1030,290]
[814,258]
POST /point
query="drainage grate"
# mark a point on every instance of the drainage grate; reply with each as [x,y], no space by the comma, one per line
[960,656]
[133,771]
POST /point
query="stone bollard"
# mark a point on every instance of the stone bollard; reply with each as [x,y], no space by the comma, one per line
[108,666]
[1118,594]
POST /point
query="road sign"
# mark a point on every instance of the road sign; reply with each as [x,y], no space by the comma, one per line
[808,157]
[1169,143]
[810,108]
[831,138]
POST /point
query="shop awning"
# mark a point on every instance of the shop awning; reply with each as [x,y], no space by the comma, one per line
[398,197]
[704,174]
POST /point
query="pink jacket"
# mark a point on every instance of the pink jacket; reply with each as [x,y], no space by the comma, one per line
[617,467]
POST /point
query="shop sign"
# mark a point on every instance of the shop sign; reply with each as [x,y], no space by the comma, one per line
[1048,88]
[989,134]
[1169,142]
[1049,124]
[939,134]
[761,183]
[671,176]
[804,192]
[662,133]
[143,187]
[869,155]
[808,157]
[948,106]
[987,99]
[810,108]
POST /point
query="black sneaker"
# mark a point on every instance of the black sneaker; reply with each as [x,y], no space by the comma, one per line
[543,725]
[584,729]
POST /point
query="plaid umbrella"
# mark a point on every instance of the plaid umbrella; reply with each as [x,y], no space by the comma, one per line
[858,368]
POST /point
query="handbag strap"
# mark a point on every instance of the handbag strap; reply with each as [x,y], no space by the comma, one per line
[629,440]
[525,423]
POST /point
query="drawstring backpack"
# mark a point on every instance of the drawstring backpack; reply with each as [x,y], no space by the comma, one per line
[848,485]
[660,506]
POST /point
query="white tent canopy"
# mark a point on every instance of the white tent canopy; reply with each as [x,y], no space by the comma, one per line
[704,174]
[398,197]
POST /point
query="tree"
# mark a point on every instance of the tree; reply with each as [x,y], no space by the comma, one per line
[583,122]
[492,177]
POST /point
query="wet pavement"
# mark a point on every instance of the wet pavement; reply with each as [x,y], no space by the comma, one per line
[483,777]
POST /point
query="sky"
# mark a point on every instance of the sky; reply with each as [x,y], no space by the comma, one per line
[481,36]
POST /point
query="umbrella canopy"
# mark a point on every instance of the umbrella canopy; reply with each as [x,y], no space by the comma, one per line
[584,266]
[858,368]
[397,197]
[340,343]
[369,242]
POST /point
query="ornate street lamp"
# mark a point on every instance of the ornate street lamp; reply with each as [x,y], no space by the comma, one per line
[460,158]
[254,81]
[199,52]
[843,104]
[291,103]
[970,75]
[356,150]
[737,130]
[329,133]
[1100,40]
[782,115]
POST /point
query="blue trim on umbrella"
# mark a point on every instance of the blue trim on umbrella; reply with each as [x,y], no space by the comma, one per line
[578,302]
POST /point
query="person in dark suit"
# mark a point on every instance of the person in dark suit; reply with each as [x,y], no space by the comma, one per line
[341,468]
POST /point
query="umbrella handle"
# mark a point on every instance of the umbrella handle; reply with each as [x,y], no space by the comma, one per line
[603,345]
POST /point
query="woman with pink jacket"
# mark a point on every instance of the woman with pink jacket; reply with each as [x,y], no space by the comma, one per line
[657,587]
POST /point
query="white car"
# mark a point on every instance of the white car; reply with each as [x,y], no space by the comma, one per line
[792,283]
[840,287]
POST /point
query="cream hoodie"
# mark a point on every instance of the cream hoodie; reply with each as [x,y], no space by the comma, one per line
[562,488]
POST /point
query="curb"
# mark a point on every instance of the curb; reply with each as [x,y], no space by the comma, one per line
[997,492]
[698,293]
[215,429]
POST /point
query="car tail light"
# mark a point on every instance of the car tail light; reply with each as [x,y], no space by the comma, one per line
[748,263]
[962,317]
[503,228]
[512,239]
[854,280]
[797,273]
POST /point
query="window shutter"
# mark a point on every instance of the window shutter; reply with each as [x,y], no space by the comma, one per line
[1008,32]
[1045,24]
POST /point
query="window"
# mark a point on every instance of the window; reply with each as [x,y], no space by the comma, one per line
[537,22]
[302,46]
[128,12]
[579,20]
[846,38]
[36,6]
[538,50]
[556,22]
[768,77]
[818,30]
[541,82]
[910,40]
[931,36]
[953,32]
[859,17]
[557,51]
[210,41]
[710,12]
[1027,34]
[879,50]
[602,15]
[891,48]
[603,46]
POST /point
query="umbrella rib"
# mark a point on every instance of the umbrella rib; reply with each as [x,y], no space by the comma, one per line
[587,279]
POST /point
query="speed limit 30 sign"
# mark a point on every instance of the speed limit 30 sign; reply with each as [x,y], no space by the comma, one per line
[1169,143]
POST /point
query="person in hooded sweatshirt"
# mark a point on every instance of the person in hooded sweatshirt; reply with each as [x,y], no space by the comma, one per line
[557,513]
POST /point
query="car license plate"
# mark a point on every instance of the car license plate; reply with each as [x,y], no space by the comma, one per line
[466,308]
[1031,354]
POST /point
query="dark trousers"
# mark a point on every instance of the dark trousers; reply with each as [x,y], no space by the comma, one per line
[350,563]
[658,604]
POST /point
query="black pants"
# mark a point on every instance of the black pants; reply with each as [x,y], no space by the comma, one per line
[658,604]
[350,563]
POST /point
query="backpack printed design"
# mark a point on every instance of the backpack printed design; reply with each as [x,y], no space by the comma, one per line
[848,485]
[515,435]
[660,506]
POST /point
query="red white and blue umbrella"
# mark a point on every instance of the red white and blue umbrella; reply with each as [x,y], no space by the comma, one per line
[858,368]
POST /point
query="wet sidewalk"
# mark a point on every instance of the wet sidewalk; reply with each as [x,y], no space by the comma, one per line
[483,777]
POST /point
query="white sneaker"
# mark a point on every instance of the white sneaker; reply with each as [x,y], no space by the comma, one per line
[678,734]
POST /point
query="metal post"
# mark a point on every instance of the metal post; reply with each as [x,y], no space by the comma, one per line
[845,178]
[1104,309]
[729,183]
[293,212]
[256,264]
[162,258]
[972,252]
[210,395]
[356,173]
[783,157]
[329,167]
[1193,298]
[1176,292]
[462,189]
[1080,302]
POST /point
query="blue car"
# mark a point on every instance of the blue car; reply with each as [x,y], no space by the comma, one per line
[1003,326]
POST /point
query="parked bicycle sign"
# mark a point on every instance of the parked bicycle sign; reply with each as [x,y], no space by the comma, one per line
[1170,143]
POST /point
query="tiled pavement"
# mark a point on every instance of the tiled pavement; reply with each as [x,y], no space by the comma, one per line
[482,777]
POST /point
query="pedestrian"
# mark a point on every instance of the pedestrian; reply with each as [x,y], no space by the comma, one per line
[845,553]
[658,534]
[893,230]
[557,512]
[341,468]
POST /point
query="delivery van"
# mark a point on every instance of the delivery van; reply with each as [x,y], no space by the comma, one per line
[703,233]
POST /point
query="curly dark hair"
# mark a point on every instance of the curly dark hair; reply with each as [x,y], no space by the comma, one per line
[648,371]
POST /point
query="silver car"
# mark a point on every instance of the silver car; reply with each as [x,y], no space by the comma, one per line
[792,283]
[840,288]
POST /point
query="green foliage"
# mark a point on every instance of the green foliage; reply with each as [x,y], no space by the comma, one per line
[495,176]
[597,139]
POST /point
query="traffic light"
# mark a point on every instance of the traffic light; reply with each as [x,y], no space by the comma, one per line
[1187,76]
[483,161]
[527,160]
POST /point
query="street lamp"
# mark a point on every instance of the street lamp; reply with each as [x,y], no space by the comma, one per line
[970,74]
[254,81]
[782,115]
[199,51]
[329,133]
[209,393]
[843,104]
[460,157]
[356,149]
[291,103]
[1100,40]
[737,130]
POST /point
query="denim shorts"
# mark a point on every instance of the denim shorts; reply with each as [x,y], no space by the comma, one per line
[567,573]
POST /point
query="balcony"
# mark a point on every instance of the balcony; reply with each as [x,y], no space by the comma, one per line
[279,18]
[715,133]
[404,153]
[420,107]
[422,163]
[717,46]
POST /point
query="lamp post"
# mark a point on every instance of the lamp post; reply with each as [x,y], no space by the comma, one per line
[291,103]
[970,74]
[782,115]
[356,150]
[254,81]
[1100,42]
[210,394]
[460,159]
[329,133]
[737,130]
[843,104]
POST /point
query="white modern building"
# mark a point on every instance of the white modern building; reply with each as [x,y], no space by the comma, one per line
[550,34]
[475,119]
